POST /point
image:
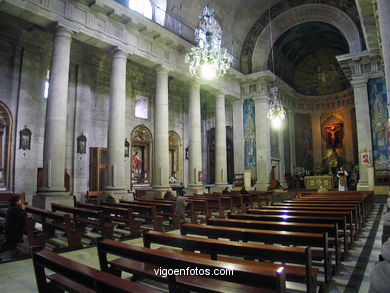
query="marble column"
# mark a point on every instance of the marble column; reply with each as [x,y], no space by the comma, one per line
[384,23]
[238,136]
[317,141]
[348,139]
[263,141]
[220,141]
[195,140]
[282,165]
[53,188]
[291,132]
[363,127]
[161,131]
[116,124]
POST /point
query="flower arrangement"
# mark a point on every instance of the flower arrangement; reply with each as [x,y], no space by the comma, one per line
[299,171]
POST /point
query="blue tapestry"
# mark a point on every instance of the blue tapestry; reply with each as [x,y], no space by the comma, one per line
[379,117]
[250,136]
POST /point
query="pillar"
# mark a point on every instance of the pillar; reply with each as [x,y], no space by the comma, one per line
[161,131]
[363,127]
[116,124]
[348,139]
[282,165]
[291,131]
[220,141]
[263,141]
[195,140]
[316,134]
[238,136]
[53,188]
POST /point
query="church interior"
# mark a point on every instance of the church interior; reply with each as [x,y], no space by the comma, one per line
[260,128]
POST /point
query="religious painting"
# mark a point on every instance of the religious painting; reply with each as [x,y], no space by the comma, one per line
[365,158]
[25,139]
[379,123]
[303,141]
[82,144]
[334,135]
[141,144]
[175,158]
[249,137]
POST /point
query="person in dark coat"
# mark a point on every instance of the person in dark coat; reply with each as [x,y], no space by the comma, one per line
[14,223]
[181,204]
[226,190]
[244,191]
[169,194]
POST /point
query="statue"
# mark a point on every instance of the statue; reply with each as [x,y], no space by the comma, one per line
[333,135]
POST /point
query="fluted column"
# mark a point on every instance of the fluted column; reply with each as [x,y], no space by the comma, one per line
[161,131]
[291,132]
[55,126]
[238,136]
[348,139]
[316,134]
[116,123]
[263,142]
[220,141]
[195,140]
[282,164]
[363,127]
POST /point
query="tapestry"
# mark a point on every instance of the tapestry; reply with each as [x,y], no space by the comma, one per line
[250,137]
[379,125]
[303,141]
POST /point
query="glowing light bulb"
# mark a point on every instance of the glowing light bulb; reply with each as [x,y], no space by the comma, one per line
[276,122]
[208,71]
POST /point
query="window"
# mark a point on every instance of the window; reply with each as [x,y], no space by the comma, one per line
[45,90]
[142,6]
[141,107]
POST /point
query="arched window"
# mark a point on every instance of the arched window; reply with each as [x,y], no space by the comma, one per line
[142,6]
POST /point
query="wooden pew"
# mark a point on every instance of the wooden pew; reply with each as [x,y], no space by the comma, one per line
[122,216]
[341,221]
[331,229]
[214,203]
[144,262]
[73,277]
[267,236]
[51,221]
[5,196]
[146,212]
[214,248]
[87,217]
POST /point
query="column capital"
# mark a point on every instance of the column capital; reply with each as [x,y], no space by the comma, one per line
[195,83]
[61,31]
[237,102]
[261,99]
[117,52]
[162,68]
[361,82]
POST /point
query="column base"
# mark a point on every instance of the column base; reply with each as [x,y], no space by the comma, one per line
[119,193]
[261,186]
[195,189]
[362,185]
[219,187]
[43,200]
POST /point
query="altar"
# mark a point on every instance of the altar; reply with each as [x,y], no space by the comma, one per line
[315,182]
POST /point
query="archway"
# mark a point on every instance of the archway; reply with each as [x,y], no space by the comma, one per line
[141,150]
[6,125]
[175,158]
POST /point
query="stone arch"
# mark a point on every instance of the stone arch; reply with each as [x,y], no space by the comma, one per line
[6,131]
[141,155]
[298,15]
[175,157]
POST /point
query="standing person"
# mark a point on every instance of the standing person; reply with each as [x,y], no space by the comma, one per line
[342,175]
[14,223]
[181,204]
[379,278]
[169,194]
[243,190]
[226,190]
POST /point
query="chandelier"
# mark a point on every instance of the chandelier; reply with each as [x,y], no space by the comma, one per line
[276,113]
[208,60]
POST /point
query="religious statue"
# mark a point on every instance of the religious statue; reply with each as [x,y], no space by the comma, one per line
[333,135]
[137,164]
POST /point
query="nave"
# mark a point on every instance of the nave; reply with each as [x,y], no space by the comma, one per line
[352,276]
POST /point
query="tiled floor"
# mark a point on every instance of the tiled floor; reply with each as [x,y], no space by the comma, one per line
[19,277]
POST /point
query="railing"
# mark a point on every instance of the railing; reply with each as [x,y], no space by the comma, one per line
[174,25]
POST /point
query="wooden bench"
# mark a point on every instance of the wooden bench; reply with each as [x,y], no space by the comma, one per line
[87,217]
[93,196]
[74,277]
[6,196]
[51,221]
[213,249]
[140,211]
[268,237]
[122,216]
[145,262]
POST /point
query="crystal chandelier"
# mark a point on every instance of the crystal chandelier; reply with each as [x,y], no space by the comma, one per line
[276,113]
[208,60]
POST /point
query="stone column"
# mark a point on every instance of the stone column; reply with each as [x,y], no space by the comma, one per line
[220,141]
[363,127]
[282,166]
[263,141]
[161,131]
[116,124]
[291,132]
[348,139]
[238,136]
[384,23]
[53,188]
[195,140]
[317,141]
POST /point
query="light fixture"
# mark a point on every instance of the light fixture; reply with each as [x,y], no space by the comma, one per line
[208,60]
[276,113]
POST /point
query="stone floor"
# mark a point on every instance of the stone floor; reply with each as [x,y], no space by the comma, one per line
[353,275]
